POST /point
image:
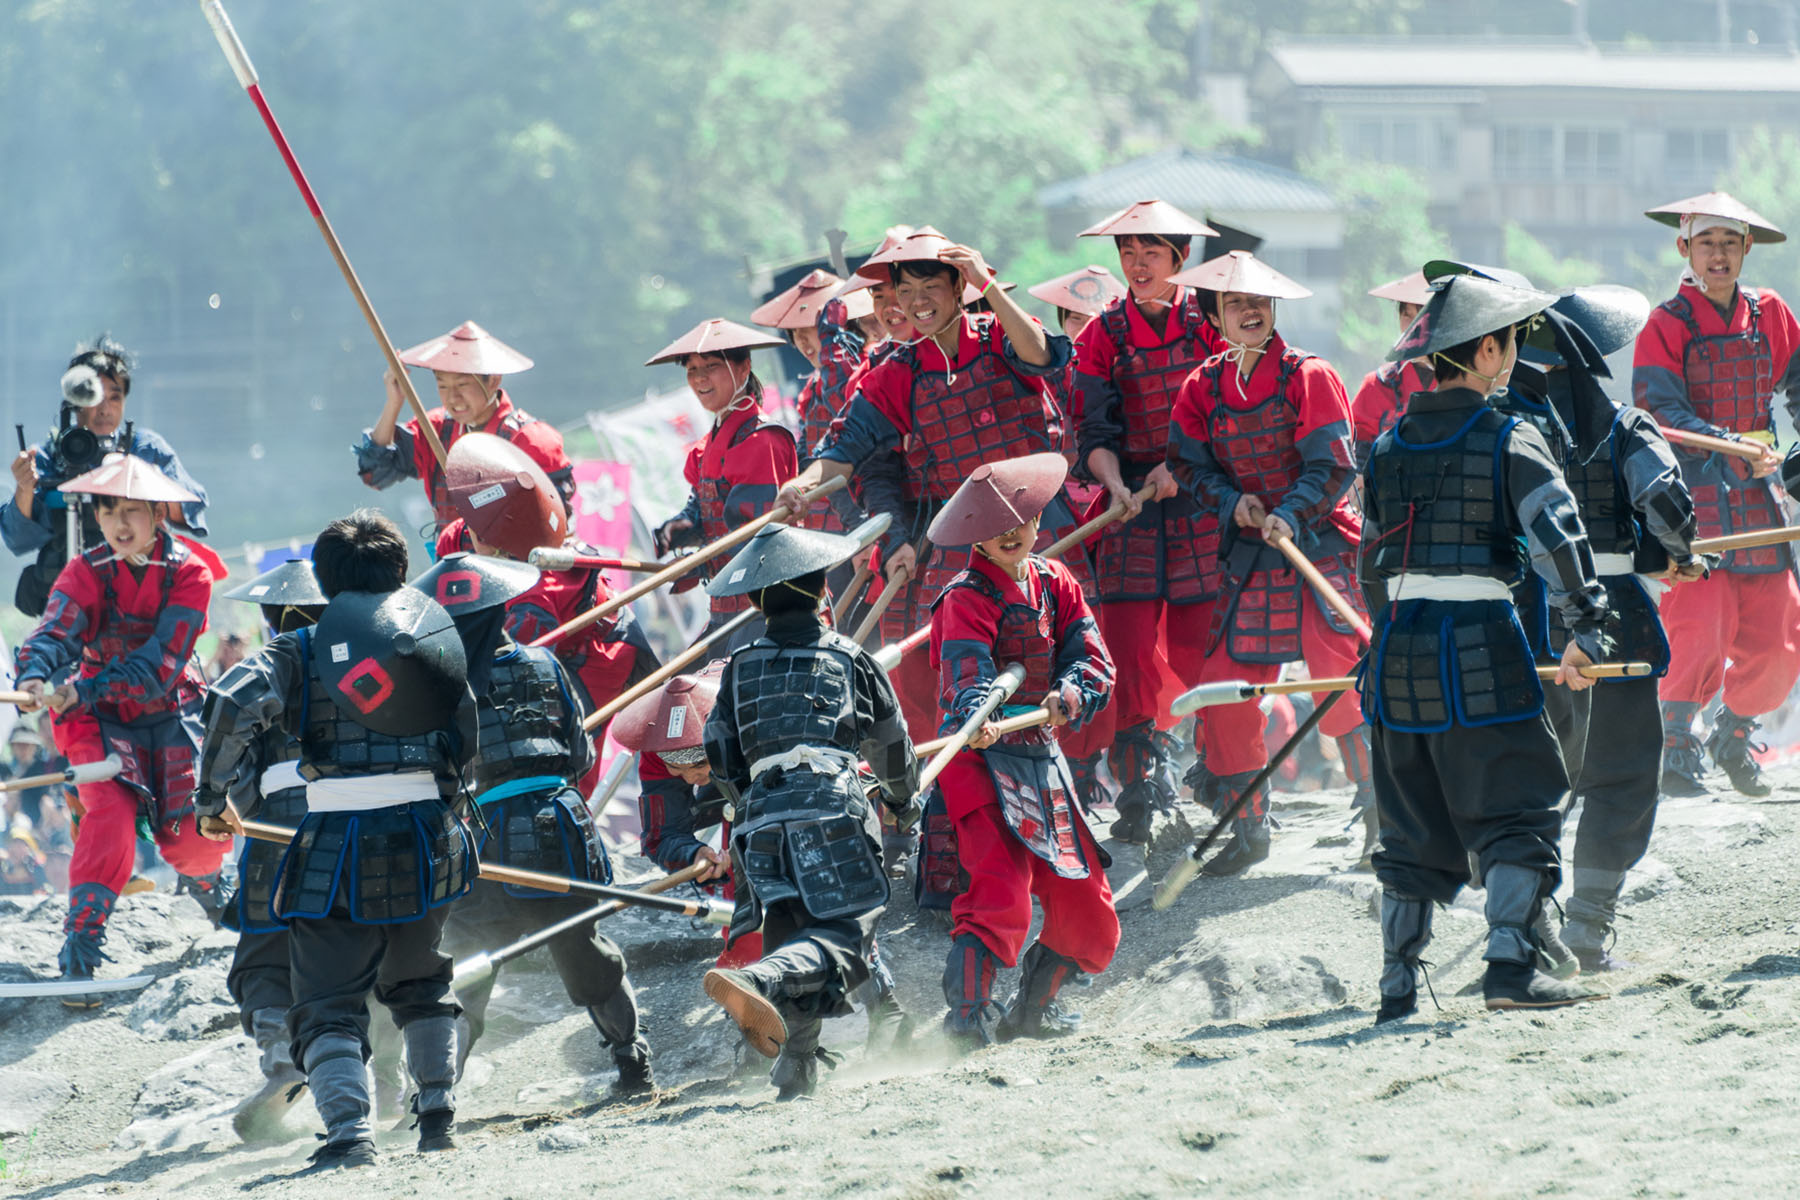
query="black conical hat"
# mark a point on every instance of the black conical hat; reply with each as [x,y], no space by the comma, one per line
[292,583]
[1464,307]
[466,583]
[778,553]
[1611,314]
[1443,268]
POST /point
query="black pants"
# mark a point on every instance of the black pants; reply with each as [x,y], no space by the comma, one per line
[259,974]
[335,962]
[591,964]
[1571,718]
[818,977]
[1494,791]
[1618,779]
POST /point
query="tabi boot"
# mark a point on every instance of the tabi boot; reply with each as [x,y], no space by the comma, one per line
[890,1027]
[431,1057]
[968,989]
[1203,784]
[1249,842]
[1514,898]
[1139,762]
[796,1070]
[1034,1012]
[1682,771]
[1730,747]
[83,930]
[1555,958]
[1589,930]
[1405,932]
[259,1117]
[208,891]
[340,1090]
[620,1033]
[1090,789]
[748,997]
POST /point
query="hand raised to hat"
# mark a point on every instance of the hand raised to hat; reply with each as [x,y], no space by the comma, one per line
[968,260]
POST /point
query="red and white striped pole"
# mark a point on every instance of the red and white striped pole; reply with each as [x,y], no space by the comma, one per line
[239,58]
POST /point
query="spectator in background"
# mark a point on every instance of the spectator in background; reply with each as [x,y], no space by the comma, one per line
[22,866]
[25,755]
[228,654]
[56,839]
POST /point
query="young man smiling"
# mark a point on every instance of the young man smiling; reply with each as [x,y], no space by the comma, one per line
[1710,361]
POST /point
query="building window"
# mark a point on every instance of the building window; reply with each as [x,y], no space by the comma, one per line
[1548,152]
[1525,151]
[1697,154]
[1427,144]
[1592,153]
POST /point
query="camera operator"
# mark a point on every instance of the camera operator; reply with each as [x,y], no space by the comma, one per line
[90,425]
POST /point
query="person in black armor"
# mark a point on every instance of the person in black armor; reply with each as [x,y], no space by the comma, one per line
[270,789]
[377,694]
[795,709]
[531,816]
[1461,500]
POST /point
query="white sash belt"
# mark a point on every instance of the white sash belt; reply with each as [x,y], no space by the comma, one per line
[818,759]
[281,777]
[360,793]
[1613,564]
[1447,587]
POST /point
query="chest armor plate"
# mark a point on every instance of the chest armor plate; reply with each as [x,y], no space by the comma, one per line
[1730,377]
[523,718]
[1256,446]
[981,413]
[1148,379]
[331,744]
[1439,505]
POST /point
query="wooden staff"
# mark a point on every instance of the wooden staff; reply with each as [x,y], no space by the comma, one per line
[556,558]
[79,773]
[686,563]
[889,656]
[705,909]
[1334,600]
[1082,532]
[859,582]
[1235,691]
[7,697]
[1747,541]
[1012,724]
[246,77]
[479,966]
[667,671]
[1750,451]
[999,692]
[890,591]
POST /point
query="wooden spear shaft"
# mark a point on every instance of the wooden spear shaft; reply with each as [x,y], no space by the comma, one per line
[682,566]
[1082,532]
[890,591]
[1333,598]
[246,77]
[1235,691]
[1746,541]
[667,671]
[1750,451]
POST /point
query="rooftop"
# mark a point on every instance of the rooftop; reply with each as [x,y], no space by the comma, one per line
[1194,182]
[1487,63]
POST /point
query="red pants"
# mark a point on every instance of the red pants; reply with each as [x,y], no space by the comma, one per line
[106,842]
[916,682]
[1233,733]
[1159,650]
[1754,620]
[1079,921]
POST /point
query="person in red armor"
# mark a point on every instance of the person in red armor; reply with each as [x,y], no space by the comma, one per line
[735,470]
[467,363]
[1710,361]
[1019,834]
[1157,570]
[124,618]
[1261,438]
[1382,397]
[507,507]
[969,390]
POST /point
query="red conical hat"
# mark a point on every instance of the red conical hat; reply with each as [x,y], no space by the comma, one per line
[1408,289]
[713,337]
[467,350]
[798,307]
[672,717]
[1150,218]
[1241,271]
[503,496]
[1718,204]
[894,236]
[1088,290]
[923,244]
[997,497]
[129,477]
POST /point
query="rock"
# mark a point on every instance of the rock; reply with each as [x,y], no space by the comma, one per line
[193,1004]
[27,1097]
[190,1101]
[563,1137]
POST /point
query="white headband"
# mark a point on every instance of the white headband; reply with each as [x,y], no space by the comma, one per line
[1694,224]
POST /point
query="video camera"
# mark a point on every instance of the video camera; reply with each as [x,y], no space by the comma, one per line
[74,450]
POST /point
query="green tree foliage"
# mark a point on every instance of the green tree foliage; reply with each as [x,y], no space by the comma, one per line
[1766,176]
[1543,266]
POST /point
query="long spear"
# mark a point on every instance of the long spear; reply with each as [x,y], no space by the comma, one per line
[1714,445]
[705,909]
[78,773]
[686,563]
[1235,691]
[1333,598]
[999,691]
[1746,541]
[246,76]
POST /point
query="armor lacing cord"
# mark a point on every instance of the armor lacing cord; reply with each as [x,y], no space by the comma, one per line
[1236,352]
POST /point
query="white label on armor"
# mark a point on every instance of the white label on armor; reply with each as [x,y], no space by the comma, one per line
[738,575]
[487,495]
[340,652]
[677,721]
[259,589]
